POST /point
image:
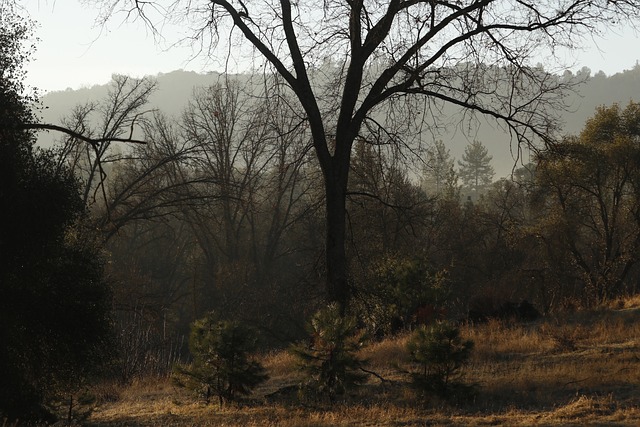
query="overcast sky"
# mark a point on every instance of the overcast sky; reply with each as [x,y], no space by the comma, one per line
[74,52]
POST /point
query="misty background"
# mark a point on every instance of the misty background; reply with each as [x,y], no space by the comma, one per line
[174,89]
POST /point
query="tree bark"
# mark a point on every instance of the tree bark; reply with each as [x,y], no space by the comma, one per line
[337,285]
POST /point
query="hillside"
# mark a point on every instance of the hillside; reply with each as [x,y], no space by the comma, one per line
[175,89]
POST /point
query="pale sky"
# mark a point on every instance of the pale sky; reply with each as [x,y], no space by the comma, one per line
[73,52]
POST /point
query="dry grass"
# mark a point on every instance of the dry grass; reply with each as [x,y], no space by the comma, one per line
[578,370]
[625,303]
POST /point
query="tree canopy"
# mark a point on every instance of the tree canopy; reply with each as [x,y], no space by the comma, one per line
[54,303]
[589,191]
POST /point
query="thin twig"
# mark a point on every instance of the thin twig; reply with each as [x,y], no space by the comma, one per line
[376,375]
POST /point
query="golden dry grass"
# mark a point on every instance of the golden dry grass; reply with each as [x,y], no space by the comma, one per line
[577,370]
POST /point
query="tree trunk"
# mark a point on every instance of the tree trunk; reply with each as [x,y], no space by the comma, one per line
[337,285]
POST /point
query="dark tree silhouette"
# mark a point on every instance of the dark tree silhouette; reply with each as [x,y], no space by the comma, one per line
[54,304]
[394,61]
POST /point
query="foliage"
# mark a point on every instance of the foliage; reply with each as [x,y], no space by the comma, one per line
[439,353]
[439,176]
[222,363]
[588,193]
[329,359]
[403,285]
[54,302]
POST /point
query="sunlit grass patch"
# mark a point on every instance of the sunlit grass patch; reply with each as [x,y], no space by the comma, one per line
[386,354]
[576,369]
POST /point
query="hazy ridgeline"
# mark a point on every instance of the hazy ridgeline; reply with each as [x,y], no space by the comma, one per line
[174,90]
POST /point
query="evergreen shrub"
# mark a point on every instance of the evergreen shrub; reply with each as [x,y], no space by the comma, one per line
[439,353]
[222,365]
[329,359]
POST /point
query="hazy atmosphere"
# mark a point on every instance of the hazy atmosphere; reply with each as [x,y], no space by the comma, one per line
[336,213]
[76,50]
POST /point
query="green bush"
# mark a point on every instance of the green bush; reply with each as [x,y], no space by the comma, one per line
[221,360]
[329,359]
[396,289]
[439,354]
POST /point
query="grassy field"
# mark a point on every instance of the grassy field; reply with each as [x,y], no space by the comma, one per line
[581,369]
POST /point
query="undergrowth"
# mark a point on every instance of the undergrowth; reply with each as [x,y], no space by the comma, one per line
[578,369]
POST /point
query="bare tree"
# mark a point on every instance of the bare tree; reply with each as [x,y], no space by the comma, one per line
[287,191]
[473,54]
[153,180]
[252,158]
[223,127]
[90,130]
[126,183]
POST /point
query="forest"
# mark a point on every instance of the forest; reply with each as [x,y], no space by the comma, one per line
[144,246]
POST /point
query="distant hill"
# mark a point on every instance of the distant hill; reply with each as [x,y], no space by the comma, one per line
[175,88]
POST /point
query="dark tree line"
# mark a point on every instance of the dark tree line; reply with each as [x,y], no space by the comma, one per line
[54,302]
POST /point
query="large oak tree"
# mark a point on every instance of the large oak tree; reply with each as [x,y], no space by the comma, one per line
[398,62]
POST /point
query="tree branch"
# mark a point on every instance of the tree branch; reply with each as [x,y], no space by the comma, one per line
[92,141]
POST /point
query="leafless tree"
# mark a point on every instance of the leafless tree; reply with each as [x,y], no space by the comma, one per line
[130,182]
[91,129]
[223,127]
[473,54]
[253,157]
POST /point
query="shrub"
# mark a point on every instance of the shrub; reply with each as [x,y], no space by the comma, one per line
[439,353]
[221,363]
[397,289]
[329,359]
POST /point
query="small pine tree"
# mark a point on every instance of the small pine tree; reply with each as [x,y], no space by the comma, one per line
[439,176]
[330,360]
[404,285]
[221,364]
[440,353]
[476,171]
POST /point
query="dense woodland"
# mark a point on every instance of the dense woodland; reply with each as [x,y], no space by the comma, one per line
[219,211]
[137,223]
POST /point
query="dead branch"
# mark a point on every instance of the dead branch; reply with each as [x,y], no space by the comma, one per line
[92,141]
